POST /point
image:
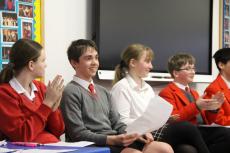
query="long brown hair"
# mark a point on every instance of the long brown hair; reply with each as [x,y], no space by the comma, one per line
[23,51]
[134,51]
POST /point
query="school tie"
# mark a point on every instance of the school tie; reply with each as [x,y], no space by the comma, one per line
[187,89]
[188,94]
[91,89]
[191,99]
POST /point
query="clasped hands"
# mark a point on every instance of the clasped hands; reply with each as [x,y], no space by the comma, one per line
[127,139]
[54,92]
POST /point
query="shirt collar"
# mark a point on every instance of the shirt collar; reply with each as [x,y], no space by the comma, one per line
[134,85]
[83,83]
[181,86]
[226,81]
[20,90]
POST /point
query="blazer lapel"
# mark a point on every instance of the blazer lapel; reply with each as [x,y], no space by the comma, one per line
[179,93]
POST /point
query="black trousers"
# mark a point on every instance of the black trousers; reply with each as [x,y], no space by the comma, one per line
[184,133]
[216,138]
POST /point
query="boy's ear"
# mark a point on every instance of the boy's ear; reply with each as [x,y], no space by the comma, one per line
[175,73]
[221,65]
[74,63]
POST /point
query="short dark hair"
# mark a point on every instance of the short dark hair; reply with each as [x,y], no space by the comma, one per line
[78,47]
[222,55]
[178,60]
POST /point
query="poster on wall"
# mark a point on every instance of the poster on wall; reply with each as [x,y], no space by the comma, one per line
[18,19]
[226,24]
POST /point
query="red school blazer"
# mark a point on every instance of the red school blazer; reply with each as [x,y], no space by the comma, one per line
[181,105]
[218,84]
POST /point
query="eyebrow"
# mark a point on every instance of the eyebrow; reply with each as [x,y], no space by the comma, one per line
[90,55]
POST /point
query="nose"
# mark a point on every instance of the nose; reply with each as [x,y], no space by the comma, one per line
[193,71]
[95,61]
[150,65]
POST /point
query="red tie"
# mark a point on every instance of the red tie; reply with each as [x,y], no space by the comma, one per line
[91,89]
[187,89]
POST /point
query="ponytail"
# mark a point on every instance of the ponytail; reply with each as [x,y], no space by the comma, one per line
[120,71]
[7,73]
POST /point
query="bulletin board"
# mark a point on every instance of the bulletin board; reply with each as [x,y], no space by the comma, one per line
[225,23]
[18,19]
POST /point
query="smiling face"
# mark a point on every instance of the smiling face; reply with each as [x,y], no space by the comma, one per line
[185,74]
[87,65]
[142,66]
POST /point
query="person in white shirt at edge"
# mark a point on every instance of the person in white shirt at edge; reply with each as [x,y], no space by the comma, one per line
[131,96]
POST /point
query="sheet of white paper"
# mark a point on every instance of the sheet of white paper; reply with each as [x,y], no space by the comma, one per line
[71,144]
[213,125]
[45,151]
[3,150]
[154,117]
[3,142]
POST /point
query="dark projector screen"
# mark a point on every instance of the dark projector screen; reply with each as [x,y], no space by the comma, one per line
[167,26]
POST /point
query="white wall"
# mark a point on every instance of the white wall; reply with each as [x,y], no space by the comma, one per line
[67,20]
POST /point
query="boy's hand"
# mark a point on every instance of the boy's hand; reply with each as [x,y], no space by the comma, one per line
[173,118]
[211,104]
[122,139]
[219,96]
[146,138]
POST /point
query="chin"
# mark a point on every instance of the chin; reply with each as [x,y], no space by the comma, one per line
[93,74]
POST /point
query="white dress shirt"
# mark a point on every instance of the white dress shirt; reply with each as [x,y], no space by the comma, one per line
[181,86]
[83,83]
[130,100]
[20,90]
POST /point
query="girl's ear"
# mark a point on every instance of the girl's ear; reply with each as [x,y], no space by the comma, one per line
[31,65]
[132,63]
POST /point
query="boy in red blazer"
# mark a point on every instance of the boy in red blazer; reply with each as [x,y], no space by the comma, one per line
[191,107]
[222,83]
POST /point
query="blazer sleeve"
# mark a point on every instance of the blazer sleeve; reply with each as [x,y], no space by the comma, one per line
[186,112]
[55,123]
[223,115]
[15,124]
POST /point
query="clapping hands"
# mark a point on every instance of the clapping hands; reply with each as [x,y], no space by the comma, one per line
[54,92]
[211,104]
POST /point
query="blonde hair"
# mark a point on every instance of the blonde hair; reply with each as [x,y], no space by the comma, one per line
[134,51]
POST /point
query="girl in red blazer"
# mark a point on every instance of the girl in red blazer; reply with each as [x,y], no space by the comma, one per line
[29,111]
